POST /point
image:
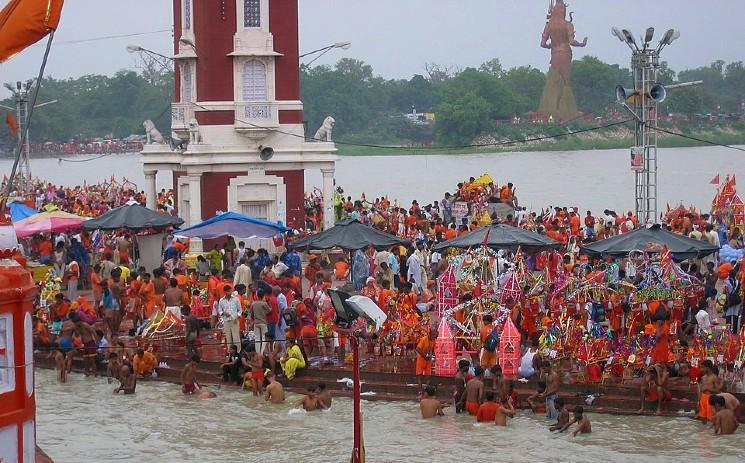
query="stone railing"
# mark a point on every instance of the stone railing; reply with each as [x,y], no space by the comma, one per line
[256,116]
[181,114]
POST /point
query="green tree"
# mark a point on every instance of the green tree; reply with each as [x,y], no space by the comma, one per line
[526,85]
[594,81]
[493,67]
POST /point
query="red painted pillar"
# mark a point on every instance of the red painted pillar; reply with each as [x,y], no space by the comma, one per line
[357,450]
[17,399]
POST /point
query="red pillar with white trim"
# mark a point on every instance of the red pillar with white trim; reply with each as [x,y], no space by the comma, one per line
[17,398]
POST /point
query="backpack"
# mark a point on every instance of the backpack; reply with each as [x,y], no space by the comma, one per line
[289,315]
[734,295]
[491,342]
[597,313]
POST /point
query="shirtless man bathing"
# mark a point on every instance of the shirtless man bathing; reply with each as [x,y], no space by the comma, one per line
[189,376]
[127,379]
[582,421]
[274,391]
[429,405]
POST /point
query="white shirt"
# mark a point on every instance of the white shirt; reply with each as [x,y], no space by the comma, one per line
[242,275]
[703,320]
[61,238]
[281,302]
[229,309]
[414,272]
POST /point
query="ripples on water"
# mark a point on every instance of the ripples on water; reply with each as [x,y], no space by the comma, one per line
[83,419]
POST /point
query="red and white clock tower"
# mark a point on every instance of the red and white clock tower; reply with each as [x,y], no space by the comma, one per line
[237,92]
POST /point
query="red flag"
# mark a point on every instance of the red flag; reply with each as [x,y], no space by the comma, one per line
[10,119]
[715,180]
[25,22]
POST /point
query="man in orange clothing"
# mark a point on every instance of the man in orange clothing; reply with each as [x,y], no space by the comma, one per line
[488,410]
[95,280]
[146,294]
[488,356]
[144,362]
[710,384]
[425,350]
[473,395]
[574,222]
[73,276]
[451,232]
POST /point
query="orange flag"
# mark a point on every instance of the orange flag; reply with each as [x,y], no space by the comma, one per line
[25,22]
[10,119]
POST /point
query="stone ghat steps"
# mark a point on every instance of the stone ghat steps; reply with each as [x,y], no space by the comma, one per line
[615,398]
[625,402]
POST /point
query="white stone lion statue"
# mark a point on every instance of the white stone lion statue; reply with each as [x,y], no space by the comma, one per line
[324,132]
[153,134]
[195,136]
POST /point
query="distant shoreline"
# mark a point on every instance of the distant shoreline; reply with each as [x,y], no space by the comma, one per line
[560,146]
[53,155]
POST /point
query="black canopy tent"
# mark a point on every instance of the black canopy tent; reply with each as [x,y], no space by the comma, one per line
[682,247]
[132,217]
[501,236]
[349,234]
[135,217]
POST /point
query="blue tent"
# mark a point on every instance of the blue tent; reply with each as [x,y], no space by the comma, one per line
[19,211]
[234,224]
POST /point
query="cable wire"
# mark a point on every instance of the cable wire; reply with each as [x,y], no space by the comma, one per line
[441,147]
[701,140]
[109,37]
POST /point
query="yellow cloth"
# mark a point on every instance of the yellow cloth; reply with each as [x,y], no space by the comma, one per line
[146,364]
[292,361]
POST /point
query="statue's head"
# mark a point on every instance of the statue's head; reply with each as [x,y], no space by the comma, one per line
[559,10]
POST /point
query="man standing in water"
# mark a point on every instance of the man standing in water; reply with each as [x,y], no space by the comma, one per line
[474,393]
[309,400]
[424,355]
[274,391]
[90,342]
[503,411]
[710,384]
[553,382]
[583,423]
[64,341]
[724,418]
[188,376]
[324,396]
[429,405]
[127,379]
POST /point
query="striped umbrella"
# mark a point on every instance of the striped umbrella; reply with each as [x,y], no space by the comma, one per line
[48,222]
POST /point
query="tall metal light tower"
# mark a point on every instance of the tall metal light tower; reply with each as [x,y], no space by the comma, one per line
[642,102]
[20,94]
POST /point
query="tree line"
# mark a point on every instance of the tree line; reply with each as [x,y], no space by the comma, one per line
[369,108]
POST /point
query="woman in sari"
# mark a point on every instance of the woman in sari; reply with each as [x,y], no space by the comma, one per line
[292,360]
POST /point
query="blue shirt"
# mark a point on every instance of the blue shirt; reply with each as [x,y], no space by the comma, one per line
[393,263]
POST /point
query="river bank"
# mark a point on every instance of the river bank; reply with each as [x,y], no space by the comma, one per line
[560,138]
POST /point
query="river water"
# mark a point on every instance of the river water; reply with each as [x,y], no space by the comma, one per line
[83,421]
[592,179]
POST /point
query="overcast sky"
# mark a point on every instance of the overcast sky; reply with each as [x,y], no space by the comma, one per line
[398,36]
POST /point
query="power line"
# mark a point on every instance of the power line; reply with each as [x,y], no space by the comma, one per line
[441,147]
[701,140]
[108,37]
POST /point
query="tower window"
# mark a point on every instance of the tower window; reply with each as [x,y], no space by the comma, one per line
[187,14]
[187,95]
[254,81]
[251,13]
